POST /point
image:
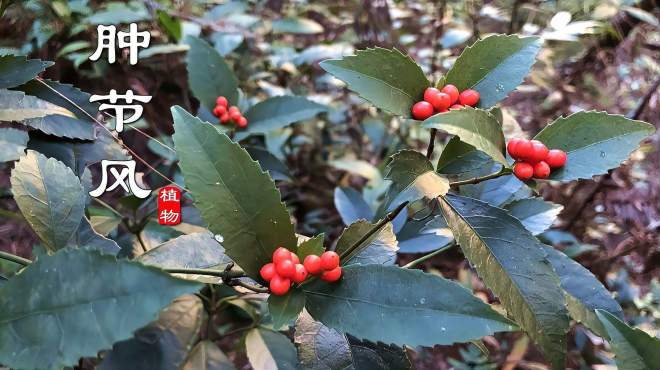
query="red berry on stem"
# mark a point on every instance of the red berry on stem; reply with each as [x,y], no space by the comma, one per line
[242,122]
[512,148]
[331,275]
[300,274]
[279,285]
[539,151]
[268,271]
[285,268]
[469,97]
[224,118]
[313,264]
[329,260]
[525,149]
[233,109]
[429,94]
[281,254]
[235,116]
[294,258]
[221,100]
[441,102]
[452,91]
[523,171]
[556,158]
[422,110]
[218,111]
[541,170]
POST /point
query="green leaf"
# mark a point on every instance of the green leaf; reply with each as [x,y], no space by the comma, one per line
[72,94]
[284,309]
[351,205]
[379,248]
[296,25]
[209,76]
[17,69]
[269,350]
[12,143]
[513,265]
[376,303]
[634,349]
[583,291]
[170,24]
[413,177]
[198,250]
[207,356]
[311,246]
[49,331]
[594,142]
[50,197]
[473,126]
[76,154]
[235,197]
[43,116]
[269,162]
[117,12]
[535,214]
[494,66]
[462,161]
[389,79]
[278,112]
[499,191]
[225,43]
[87,237]
[322,348]
[163,344]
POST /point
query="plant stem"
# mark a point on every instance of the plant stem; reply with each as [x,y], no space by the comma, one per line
[388,218]
[476,180]
[428,256]
[217,273]
[14,258]
[429,150]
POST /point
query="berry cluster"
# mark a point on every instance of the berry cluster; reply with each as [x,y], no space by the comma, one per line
[438,101]
[287,269]
[533,159]
[232,113]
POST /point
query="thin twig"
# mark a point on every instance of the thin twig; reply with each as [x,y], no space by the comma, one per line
[254,288]
[388,218]
[14,258]
[476,180]
[207,272]
[429,150]
[428,256]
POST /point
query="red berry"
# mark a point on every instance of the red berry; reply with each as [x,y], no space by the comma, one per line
[313,264]
[281,254]
[456,106]
[268,271]
[224,118]
[539,151]
[523,171]
[300,274]
[221,100]
[422,110]
[541,170]
[556,158]
[233,109]
[512,148]
[441,102]
[452,91]
[525,149]
[285,268]
[219,110]
[242,122]
[235,116]
[329,260]
[294,258]
[469,97]
[331,275]
[279,285]
[429,94]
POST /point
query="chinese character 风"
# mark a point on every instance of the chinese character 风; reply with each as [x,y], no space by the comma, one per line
[129,185]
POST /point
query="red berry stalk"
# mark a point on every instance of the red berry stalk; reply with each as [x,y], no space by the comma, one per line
[533,159]
[440,101]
